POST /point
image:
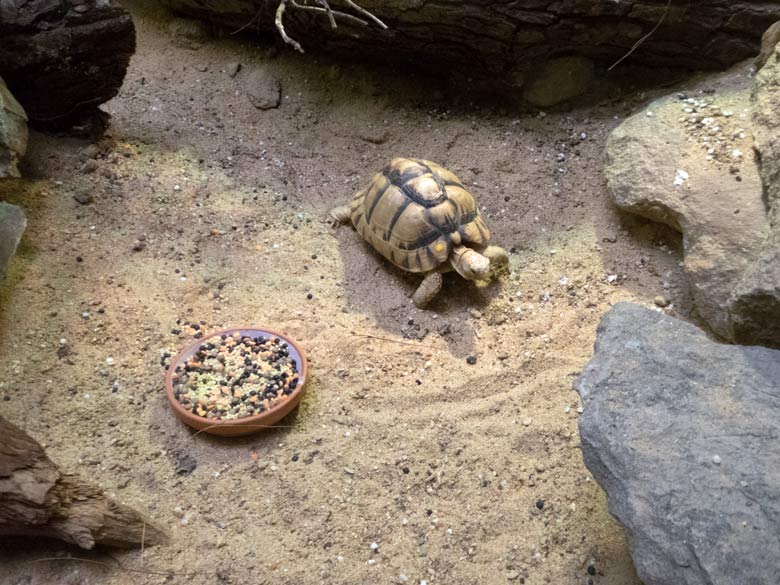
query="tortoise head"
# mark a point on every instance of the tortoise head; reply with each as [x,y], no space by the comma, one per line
[470,264]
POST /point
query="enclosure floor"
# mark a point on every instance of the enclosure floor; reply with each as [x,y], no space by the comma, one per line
[398,441]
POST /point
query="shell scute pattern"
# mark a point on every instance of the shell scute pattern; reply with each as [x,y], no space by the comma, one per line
[414,211]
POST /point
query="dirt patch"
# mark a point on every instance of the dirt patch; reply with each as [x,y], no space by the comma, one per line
[202,208]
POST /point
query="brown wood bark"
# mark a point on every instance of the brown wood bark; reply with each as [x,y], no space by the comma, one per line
[62,58]
[37,499]
[502,39]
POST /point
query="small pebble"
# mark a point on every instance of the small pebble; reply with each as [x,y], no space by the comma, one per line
[471,360]
[661,301]
[716,459]
[84,198]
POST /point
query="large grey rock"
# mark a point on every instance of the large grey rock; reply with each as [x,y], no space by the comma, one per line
[683,434]
[12,225]
[765,109]
[689,163]
[754,306]
[13,133]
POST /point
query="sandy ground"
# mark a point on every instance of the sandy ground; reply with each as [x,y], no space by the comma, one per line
[460,473]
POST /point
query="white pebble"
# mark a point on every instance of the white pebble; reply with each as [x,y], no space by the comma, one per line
[109,361]
[372,561]
[63,341]
[374,546]
[527,422]
[736,153]
[716,459]
[680,177]
[177,187]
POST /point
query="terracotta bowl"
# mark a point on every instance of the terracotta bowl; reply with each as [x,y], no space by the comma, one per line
[249,424]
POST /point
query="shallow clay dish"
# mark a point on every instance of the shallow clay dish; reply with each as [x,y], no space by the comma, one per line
[248,424]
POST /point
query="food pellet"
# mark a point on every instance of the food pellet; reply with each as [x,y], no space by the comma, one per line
[234,376]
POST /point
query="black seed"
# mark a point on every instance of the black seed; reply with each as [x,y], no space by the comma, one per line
[175,331]
[6,397]
[405,470]
[540,504]
[314,256]
[295,457]
[429,512]
[471,360]
[591,570]
[310,296]
[418,382]
[79,259]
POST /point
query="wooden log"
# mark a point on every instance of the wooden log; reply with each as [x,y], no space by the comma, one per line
[37,499]
[61,59]
[502,40]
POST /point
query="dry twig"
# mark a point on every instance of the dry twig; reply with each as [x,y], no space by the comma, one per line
[644,38]
[323,8]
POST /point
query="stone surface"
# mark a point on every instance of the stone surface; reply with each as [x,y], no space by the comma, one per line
[754,307]
[13,133]
[765,108]
[61,59]
[559,80]
[12,226]
[755,304]
[498,41]
[769,41]
[263,89]
[688,161]
[683,434]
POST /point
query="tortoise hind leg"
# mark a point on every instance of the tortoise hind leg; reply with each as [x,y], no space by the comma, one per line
[340,214]
[428,289]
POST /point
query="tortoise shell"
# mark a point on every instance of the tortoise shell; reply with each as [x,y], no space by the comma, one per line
[414,211]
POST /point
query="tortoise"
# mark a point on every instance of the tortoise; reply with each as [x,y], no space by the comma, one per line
[420,217]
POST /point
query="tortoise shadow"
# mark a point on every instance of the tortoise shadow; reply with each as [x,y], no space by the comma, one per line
[375,287]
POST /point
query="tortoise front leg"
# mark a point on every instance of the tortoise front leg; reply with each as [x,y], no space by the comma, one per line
[496,254]
[429,288]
